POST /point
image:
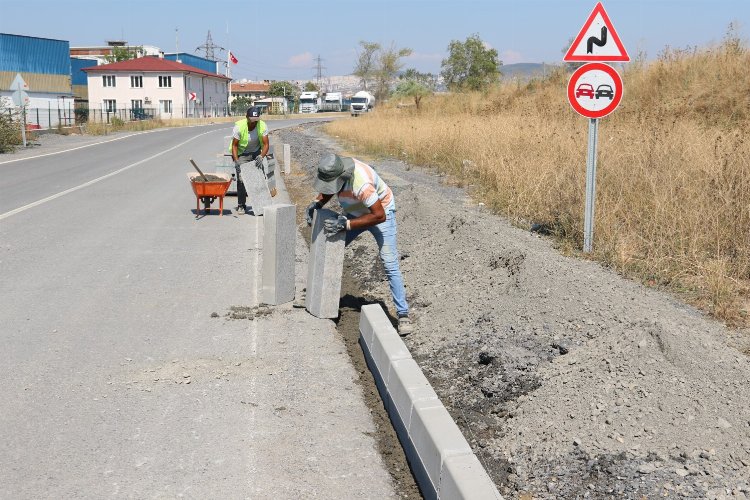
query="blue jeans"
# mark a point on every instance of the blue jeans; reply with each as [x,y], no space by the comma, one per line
[385,236]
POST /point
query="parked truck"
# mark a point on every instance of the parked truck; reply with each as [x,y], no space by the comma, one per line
[309,102]
[333,101]
[362,102]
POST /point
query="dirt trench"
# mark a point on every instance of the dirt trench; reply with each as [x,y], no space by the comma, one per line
[567,380]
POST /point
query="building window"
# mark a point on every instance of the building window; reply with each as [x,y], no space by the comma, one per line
[136,104]
[166,106]
[165,81]
[108,80]
[110,105]
[136,81]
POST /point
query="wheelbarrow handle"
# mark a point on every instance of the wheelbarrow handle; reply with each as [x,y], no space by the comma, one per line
[199,170]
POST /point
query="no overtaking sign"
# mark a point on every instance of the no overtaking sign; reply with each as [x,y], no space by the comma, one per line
[595,90]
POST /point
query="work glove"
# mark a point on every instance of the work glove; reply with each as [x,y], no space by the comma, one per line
[259,162]
[310,211]
[237,168]
[333,226]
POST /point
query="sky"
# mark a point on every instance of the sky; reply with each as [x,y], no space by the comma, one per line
[281,41]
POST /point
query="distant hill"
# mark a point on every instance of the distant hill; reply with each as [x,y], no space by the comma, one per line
[524,71]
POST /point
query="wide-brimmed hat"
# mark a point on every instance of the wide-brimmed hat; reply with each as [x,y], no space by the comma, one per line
[333,172]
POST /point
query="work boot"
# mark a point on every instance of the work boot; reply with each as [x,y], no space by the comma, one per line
[241,209]
[405,326]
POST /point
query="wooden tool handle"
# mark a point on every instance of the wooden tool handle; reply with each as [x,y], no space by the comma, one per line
[199,170]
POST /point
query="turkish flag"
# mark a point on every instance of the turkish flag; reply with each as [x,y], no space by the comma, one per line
[232,58]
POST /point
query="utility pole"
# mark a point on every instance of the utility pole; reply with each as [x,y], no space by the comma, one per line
[210,48]
[319,72]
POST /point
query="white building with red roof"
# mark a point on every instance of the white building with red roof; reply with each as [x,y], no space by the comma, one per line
[249,90]
[151,87]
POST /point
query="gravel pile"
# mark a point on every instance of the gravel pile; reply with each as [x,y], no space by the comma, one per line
[568,380]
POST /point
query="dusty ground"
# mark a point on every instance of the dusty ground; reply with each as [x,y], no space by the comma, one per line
[568,380]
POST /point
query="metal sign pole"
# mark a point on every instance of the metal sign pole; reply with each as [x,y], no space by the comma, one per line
[23,125]
[588,223]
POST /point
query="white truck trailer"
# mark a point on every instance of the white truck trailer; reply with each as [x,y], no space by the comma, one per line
[309,102]
[333,101]
[362,102]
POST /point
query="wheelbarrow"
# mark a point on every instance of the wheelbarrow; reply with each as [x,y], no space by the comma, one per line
[208,191]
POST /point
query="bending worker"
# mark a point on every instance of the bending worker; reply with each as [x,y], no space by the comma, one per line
[249,142]
[368,205]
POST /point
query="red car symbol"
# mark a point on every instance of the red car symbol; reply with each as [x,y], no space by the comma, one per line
[585,89]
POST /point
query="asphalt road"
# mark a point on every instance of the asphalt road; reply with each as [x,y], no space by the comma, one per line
[115,378]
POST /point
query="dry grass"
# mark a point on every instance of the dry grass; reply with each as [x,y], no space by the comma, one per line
[673,177]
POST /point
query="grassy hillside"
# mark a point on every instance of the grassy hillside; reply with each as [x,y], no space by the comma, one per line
[673,185]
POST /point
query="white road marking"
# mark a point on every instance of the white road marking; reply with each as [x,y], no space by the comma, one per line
[103,142]
[94,181]
[80,147]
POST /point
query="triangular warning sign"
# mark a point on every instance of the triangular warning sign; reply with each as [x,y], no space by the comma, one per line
[597,40]
[19,83]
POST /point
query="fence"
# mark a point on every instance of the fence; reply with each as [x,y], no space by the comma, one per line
[43,118]
[40,118]
[126,114]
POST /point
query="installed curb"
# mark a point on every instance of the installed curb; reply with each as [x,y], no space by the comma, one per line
[444,465]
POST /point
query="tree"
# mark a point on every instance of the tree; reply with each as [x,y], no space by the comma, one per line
[239,105]
[413,89]
[123,54]
[311,87]
[389,64]
[427,79]
[470,65]
[282,89]
[416,85]
[366,62]
[379,65]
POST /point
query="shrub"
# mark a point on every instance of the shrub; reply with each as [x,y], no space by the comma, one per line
[10,133]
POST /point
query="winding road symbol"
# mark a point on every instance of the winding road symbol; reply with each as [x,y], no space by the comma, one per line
[599,42]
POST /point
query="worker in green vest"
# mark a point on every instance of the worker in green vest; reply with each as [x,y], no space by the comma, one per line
[249,142]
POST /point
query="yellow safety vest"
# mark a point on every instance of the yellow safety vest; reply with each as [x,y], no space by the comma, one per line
[245,135]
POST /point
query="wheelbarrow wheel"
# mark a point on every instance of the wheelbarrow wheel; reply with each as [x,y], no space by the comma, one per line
[207,200]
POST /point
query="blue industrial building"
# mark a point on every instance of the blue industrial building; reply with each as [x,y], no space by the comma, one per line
[79,79]
[44,64]
[194,61]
